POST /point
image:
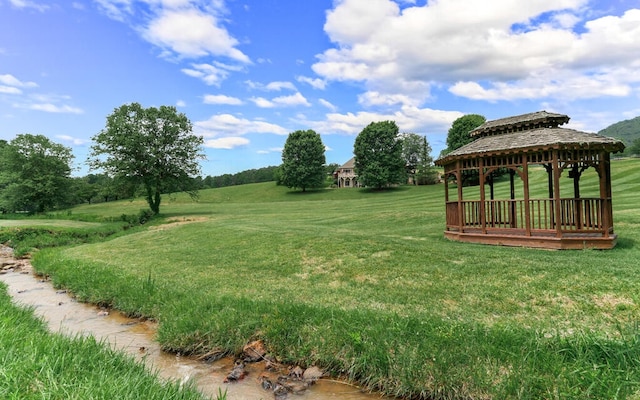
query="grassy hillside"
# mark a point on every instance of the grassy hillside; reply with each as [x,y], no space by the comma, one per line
[363,284]
[627,130]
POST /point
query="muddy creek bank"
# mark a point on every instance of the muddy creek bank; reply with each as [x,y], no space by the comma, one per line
[63,314]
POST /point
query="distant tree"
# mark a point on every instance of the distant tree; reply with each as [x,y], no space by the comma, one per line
[110,189]
[34,174]
[264,174]
[411,144]
[634,149]
[83,190]
[458,134]
[416,153]
[151,147]
[378,155]
[303,160]
[330,169]
[425,173]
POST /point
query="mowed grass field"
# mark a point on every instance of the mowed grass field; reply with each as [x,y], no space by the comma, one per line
[363,284]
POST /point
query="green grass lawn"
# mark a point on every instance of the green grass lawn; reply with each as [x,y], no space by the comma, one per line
[52,223]
[363,284]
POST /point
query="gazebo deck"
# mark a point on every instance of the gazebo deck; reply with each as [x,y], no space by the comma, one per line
[537,239]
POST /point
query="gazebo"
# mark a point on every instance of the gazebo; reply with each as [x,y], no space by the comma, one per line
[558,215]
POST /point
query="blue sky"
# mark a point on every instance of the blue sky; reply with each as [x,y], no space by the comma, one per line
[249,72]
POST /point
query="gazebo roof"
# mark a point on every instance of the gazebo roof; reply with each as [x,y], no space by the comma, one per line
[539,119]
[532,140]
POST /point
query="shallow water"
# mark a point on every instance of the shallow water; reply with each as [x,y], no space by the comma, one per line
[63,314]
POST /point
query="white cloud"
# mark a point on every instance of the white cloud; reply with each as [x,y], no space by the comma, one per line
[29,4]
[328,105]
[315,83]
[212,75]
[270,150]
[277,86]
[262,102]
[503,43]
[51,103]
[10,90]
[374,98]
[191,32]
[73,140]
[11,80]
[574,86]
[408,119]
[221,99]
[118,10]
[227,143]
[181,28]
[271,86]
[52,108]
[291,101]
[181,103]
[228,125]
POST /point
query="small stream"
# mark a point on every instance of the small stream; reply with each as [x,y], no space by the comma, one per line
[136,337]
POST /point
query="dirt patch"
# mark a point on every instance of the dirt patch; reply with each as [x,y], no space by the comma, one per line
[611,301]
[177,221]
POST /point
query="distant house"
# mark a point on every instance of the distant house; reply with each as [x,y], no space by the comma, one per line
[345,175]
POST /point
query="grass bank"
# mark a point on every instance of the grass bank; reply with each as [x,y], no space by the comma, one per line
[363,284]
[36,364]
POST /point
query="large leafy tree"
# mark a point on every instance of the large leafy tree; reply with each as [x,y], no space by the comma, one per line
[303,160]
[35,174]
[458,134]
[378,155]
[151,147]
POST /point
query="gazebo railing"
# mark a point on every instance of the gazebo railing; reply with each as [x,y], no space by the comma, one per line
[576,215]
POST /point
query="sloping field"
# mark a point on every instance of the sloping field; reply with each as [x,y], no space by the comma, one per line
[364,284]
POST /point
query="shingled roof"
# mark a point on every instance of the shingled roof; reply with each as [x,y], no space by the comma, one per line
[529,133]
[539,119]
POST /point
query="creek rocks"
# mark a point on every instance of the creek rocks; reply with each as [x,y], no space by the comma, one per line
[7,265]
[276,378]
[237,372]
[10,264]
[254,351]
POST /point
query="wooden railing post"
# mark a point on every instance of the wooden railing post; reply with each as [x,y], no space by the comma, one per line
[556,194]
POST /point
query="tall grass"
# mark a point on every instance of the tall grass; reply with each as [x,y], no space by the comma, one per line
[364,284]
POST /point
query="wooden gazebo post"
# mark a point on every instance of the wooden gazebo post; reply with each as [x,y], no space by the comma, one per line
[461,219]
[559,218]
[604,171]
[525,183]
[483,215]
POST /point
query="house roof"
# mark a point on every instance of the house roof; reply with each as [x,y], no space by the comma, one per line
[349,164]
[539,119]
[539,139]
